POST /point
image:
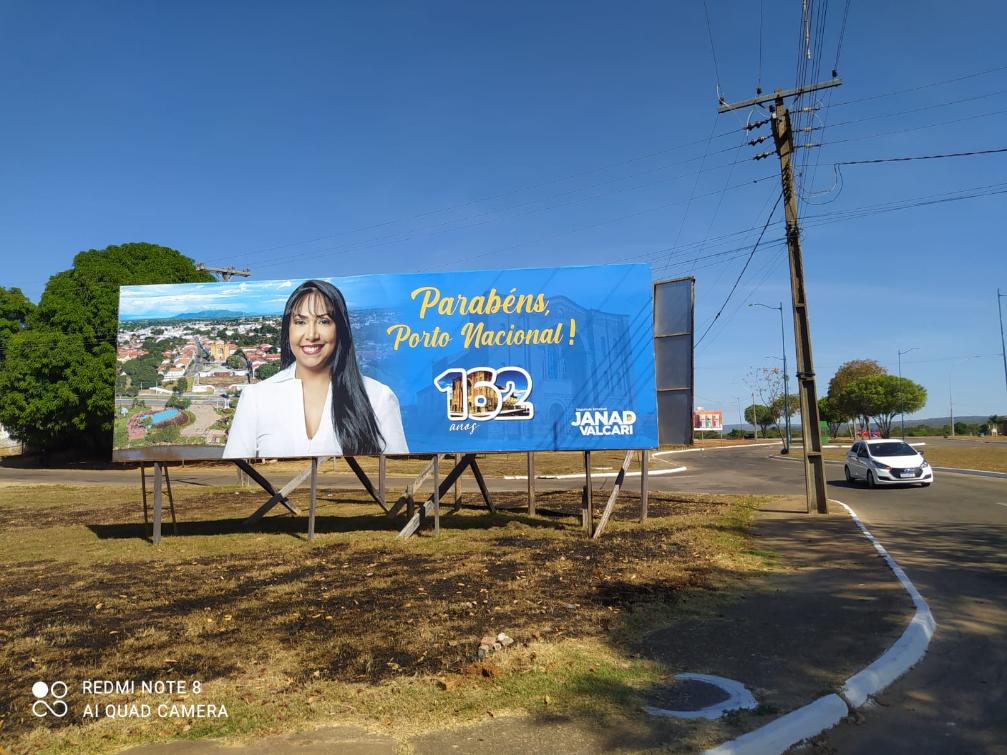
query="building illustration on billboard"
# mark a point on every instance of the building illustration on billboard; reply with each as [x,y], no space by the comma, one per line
[532,359]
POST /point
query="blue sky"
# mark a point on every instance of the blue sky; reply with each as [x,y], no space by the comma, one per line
[588,287]
[331,139]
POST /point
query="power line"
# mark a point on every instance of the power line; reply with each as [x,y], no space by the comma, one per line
[447,224]
[925,126]
[973,153]
[920,109]
[842,33]
[738,280]
[713,49]
[921,87]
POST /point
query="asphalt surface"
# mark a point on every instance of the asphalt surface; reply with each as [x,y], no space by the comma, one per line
[951,539]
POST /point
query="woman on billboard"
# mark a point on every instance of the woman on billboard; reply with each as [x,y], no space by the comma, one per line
[319,404]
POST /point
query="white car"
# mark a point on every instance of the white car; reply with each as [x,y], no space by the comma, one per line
[883,461]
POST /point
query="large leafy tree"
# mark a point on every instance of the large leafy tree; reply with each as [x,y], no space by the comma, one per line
[830,414]
[883,397]
[843,402]
[761,415]
[15,308]
[57,382]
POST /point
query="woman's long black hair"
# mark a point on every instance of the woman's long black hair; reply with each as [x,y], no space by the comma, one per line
[352,415]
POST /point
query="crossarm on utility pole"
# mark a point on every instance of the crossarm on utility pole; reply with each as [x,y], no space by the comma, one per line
[778,95]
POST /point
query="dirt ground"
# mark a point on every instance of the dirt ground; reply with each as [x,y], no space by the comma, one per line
[356,624]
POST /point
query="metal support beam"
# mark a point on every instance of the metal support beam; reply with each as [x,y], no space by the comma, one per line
[155,537]
[644,484]
[437,496]
[779,94]
[531,483]
[616,487]
[314,499]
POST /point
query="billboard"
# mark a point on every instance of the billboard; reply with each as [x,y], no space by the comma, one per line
[708,419]
[673,335]
[493,360]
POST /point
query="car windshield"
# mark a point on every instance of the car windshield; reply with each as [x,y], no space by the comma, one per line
[895,448]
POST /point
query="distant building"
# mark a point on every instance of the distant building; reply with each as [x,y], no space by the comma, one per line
[708,419]
[124,353]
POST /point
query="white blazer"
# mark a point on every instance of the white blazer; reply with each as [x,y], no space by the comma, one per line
[269,421]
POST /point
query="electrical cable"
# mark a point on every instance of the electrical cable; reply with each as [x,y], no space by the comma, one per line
[920,87]
[713,49]
[972,153]
[738,280]
[925,126]
[842,33]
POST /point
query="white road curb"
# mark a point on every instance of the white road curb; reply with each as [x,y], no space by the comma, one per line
[738,698]
[650,473]
[714,448]
[787,730]
[907,650]
[974,472]
[826,712]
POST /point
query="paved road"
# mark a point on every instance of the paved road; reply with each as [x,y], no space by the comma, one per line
[951,539]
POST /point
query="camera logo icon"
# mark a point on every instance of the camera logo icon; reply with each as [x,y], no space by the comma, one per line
[42,706]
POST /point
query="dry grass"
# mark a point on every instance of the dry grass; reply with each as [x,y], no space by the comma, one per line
[990,456]
[356,627]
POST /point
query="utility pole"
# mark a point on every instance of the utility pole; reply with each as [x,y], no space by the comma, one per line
[755,428]
[783,137]
[225,273]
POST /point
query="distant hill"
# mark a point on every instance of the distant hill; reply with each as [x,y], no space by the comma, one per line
[932,421]
[209,314]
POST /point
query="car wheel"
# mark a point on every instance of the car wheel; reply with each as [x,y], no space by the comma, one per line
[849,477]
[871,482]
[925,485]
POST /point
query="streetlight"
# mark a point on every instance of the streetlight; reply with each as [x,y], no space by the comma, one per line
[786,383]
[902,403]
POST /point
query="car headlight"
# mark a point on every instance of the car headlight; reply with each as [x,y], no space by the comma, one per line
[924,465]
[880,465]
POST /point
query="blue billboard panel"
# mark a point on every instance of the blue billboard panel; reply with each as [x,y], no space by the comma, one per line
[491,360]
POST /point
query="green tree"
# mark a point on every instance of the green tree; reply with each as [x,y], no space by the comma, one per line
[15,309]
[57,388]
[236,361]
[785,407]
[761,415]
[267,370]
[141,371]
[177,400]
[830,414]
[767,384]
[847,373]
[883,397]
